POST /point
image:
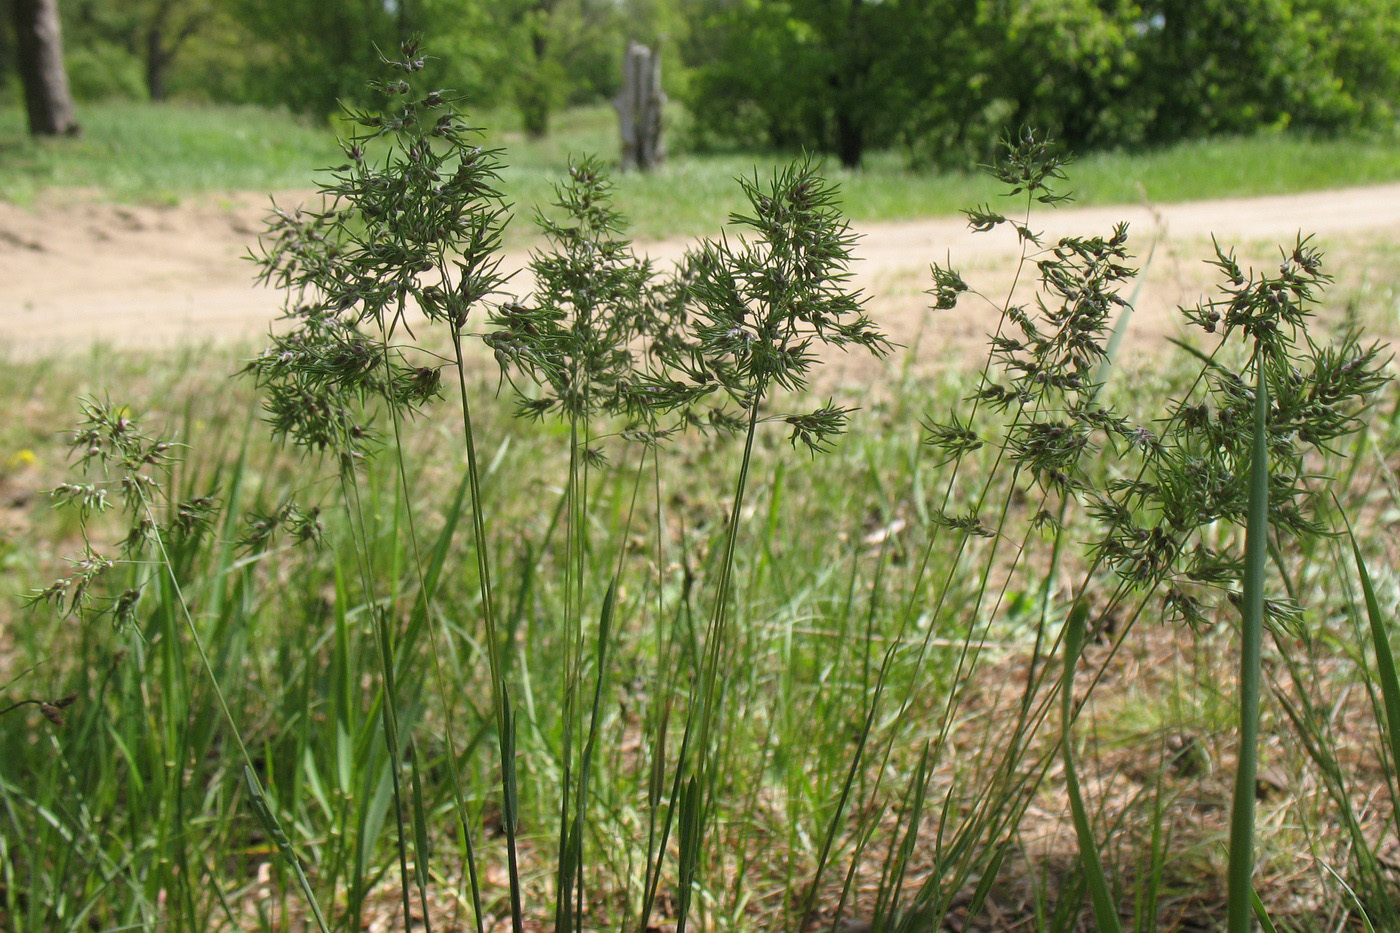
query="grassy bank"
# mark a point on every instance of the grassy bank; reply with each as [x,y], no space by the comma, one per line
[600,609]
[163,153]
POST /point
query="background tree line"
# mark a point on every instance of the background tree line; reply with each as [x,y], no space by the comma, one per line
[942,79]
[310,55]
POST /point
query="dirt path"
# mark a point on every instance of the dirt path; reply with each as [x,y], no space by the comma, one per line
[74,271]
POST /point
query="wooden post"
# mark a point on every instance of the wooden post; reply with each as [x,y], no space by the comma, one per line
[639,109]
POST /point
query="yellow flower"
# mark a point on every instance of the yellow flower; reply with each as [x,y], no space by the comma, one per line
[22,458]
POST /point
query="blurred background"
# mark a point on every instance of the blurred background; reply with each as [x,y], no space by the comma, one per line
[141,151]
[935,81]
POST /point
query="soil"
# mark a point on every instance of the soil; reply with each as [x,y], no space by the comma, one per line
[79,271]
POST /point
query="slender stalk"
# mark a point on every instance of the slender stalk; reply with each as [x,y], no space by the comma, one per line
[255,789]
[711,697]
[1241,866]
[424,604]
[500,700]
[570,846]
[384,652]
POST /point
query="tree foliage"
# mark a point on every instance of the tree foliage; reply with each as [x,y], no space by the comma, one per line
[540,55]
[323,47]
[947,77]
[129,48]
[942,78]
[801,73]
[308,55]
[555,50]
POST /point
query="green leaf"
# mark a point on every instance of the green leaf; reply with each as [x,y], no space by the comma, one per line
[1105,914]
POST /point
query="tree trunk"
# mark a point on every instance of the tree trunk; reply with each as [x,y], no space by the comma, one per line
[164,38]
[157,58]
[40,59]
[533,95]
[849,83]
[850,139]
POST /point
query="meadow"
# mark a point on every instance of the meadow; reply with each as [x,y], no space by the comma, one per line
[629,619]
[162,153]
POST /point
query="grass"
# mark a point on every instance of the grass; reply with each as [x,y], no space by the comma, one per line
[547,672]
[136,151]
[144,152]
[288,632]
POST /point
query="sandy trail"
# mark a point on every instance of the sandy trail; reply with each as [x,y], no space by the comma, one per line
[75,271]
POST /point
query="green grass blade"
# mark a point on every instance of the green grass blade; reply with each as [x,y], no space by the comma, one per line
[421,847]
[1203,358]
[1385,659]
[571,855]
[989,877]
[1360,907]
[1241,867]
[1261,913]
[274,830]
[1105,914]
[689,852]
[510,808]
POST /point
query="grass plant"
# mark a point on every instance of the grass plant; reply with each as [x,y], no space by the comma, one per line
[625,631]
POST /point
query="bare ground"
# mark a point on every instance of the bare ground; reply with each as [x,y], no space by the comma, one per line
[77,271]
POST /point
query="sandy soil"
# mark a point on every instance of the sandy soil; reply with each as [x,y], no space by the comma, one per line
[75,271]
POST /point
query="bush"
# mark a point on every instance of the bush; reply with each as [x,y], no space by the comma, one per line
[105,71]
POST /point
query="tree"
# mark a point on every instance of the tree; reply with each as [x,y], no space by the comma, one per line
[538,76]
[804,73]
[167,26]
[531,52]
[153,32]
[166,32]
[39,57]
[947,78]
[1215,66]
[541,55]
[1086,66]
[557,49]
[321,48]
